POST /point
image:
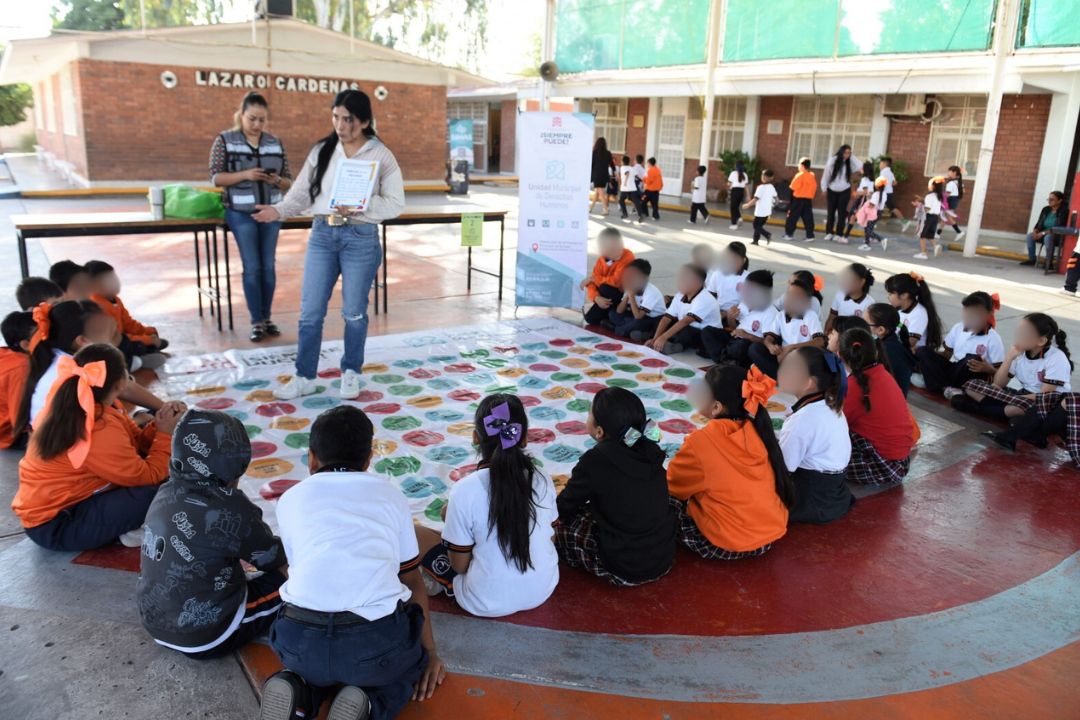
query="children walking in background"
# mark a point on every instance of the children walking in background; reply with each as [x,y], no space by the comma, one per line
[737,180]
[885,172]
[796,327]
[642,305]
[756,316]
[803,189]
[72,279]
[615,519]
[653,184]
[628,190]
[725,280]
[17,329]
[729,485]
[932,205]
[881,426]
[815,439]
[33,291]
[859,198]
[496,556]
[910,295]
[954,193]
[870,212]
[853,297]
[691,312]
[972,349]
[699,188]
[604,286]
[892,336]
[763,201]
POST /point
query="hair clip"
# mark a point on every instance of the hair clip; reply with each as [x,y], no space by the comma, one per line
[650,432]
[498,423]
[836,366]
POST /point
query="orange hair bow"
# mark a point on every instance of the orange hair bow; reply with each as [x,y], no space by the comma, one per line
[996,306]
[41,319]
[757,388]
[819,283]
[92,375]
[915,276]
[934,181]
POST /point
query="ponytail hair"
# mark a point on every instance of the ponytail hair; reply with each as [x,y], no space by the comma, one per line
[859,352]
[916,286]
[512,512]
[1047,327]
[65,423]
[809,282]
[725,383]
[740,168]
[737,248]
[828,381]
[888,317]
[252,98]
[359,106]
[863,273]
[617,410]
[959,172]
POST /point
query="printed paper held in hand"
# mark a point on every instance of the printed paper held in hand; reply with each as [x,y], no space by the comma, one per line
[353,184]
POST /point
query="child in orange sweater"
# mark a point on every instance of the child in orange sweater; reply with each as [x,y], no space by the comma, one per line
[729,485]
[803,189]
[140,343]
[604,286]
[89,473]
[14,369]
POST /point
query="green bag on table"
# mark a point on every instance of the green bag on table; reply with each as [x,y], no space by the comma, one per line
[184,201]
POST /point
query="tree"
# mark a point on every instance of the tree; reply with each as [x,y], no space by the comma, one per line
[14,100]
[88,15]
[99,15]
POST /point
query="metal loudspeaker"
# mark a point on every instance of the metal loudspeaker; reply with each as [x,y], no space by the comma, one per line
[549,71]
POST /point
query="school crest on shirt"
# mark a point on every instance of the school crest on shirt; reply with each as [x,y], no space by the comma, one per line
[738,287]
[1041,375]
[804,331]
[980,350]
[858,313]
[756,325]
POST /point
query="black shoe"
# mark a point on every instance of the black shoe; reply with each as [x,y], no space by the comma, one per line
[963,403]
[285,696]
[607,325]
[1027,263]
[271,329]
[755,242]
[257,333]
[162,344]
[1004,439]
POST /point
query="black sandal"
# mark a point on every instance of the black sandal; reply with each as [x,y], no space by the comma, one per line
[257,333]
[271,329]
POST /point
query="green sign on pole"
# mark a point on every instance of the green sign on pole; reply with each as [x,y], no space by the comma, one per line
[472,229]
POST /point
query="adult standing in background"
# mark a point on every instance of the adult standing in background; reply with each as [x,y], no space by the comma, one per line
[836,182]
[600,175]
[343,241]
[251,166]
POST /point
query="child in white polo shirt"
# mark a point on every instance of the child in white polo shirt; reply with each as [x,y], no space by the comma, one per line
[972,350]
[756,316]
[355,610]
[797,326]
[691,311]
[639,312]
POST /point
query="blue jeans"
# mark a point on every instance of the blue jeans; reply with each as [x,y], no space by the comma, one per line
[354,253]
[1047,240]
[96,521]
[382,657]
[257,243]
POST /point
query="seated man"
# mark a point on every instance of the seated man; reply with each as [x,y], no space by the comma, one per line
[1054,214]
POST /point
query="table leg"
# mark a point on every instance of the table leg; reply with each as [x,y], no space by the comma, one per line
[198,272]
[385,283]
[209,270]
[502,238]
[217,280]
[468,275]
[228,273]
[24,261]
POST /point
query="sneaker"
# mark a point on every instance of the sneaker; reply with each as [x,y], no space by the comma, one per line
[692,222]
[672,348]
[732,227]
[706,220]
[351,703]
[271,329]
[1065,291]
[918,381]
[152,361]
[905,226]
[350,384]
[433,586]
[257,333]
[136,363]
[839,239]
[296,387]
[787,237]
[960,235]
[938,249]
[809,239]
[865,247]
[921,256]
[951,392]
[285,696]
[132,538]
[884,244]
[830,237]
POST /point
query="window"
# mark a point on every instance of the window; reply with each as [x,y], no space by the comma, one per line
[956,134]
[475,111]
[611,123]
[729,122]
[821,124]
[67,102]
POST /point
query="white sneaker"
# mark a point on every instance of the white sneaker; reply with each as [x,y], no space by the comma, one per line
[830,237]
[296,387]
[884,244]
[921,256]
[351,703]
[918,380]
[733,227]
[840,240]
[153,361]
[692,222]
[787,237]
[905,226]
[960,235]
[350,384]
[136,363]
[951,392]
[864,247]
[938,249]
[707,219]
[809,240]
[132,538]
[1070,293]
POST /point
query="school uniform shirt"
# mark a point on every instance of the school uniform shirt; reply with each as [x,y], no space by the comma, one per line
[890,179]
[192,590]
[722,470]
[815,305]
[699,190]
[766,198]
[493,586]
[987,346]
[702,309]
[651,300]
[847,306]
[726,288]
[804,185]
[916,320]
[952,190]
[121,454]
[795,330]
[733,178]
[759,322]
[14,368]
[44,384]
[348,536]
[932,204]
[887,426]
[1050,368]
[129,326]
[626,179]
[866,185]
[608,272]
[815,437]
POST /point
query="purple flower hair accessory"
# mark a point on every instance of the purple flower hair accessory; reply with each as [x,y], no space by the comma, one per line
[498,423]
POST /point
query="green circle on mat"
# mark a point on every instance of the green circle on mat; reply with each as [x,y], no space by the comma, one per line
[677,405]
[399,423]
[297,440]
[578,405]
[679,372]
[477,353]
[252,384]
[404,390]
[442,384]
[533,347]
[398,466]
[622,382]
[387,378]
[494,389]
[443,359]
[444,415]
[433,511]
[408,364]
[626,367]
[493,362]
[651,394]
[777,423]
[553,354]
[561,453]
[321,402]
[566,377]
[448,454]
[253,430]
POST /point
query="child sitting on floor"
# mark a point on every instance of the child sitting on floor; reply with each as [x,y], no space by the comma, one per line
[604,286]
[356,612]
[880,423]
[749,321]
[729,486]
[89,473]
[910,294]
[797,326]
[616,522]
[853,297]
[211,527]
[691,312]
[725,279]
[72,279]
[815,439]
[642,304]
[893,342]
[139,340]
[973,350]
[496,556]
[815,282]
[703,256]
[17,328]
[33,291]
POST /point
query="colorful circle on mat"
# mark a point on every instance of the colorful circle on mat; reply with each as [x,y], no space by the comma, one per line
[654,363]
[408,364]
[206,390]
[269,467]
[387,378]
[399,423]
[405,390]
[321,402]
[566,377]
[626,367]
[538,436]
[381,408]
[677,388]
[501,389]
[557,393]
[505,349]
[494,363]
[464,395]
[461,429]
[422,438]
[262,449]
[329,373]
[460,368]
[528,359]
[677,426]
[590,339]
[775,407]
[680,372]
[559,481]
[444,415]
[372,368]
[609,346]
[426,401]
[274,489]
[546,412]
[571,427]
[448,454]
[561,342]
[458,473]
[543,367]
[651,394]
[575,363]
[383,447]
[553,354]
[670,449]
[529,400]
[252,430]
[298,440]
[533,347]
[561,453]
[622,382]
[398,466]
[216,403]
[260,396]
[477,353]
[512,372]
[434,510]
[289,423]
[250,384]
[479,378]
[336,384]
[590,443]
[630,354]
[653,413]
[699,419]
[604,359]
[442,384]
[578,405]
[274,409]
[532,382]
[442,359]
[648,377]
[368,396]
[423,373]
[238,414]
[284,378]
[415,488]
[578,350]
[595,372]
[677,405]
[777,423]
[589,387]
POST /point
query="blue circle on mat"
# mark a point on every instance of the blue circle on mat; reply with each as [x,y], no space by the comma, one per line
[443,359]
[479,378]
[408,364]
[604,359]
[250,384]
[651,393]
[546,412]
[448,454]
[442,384]
[321,402]
[533,382]
[238,414]
[444,415]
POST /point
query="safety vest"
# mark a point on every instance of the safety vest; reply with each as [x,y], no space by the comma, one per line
[239,156]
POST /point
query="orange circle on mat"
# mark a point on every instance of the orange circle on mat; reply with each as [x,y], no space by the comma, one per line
[773,406]
[650,377]
[595,372]
[575,363]
[375,368]
[558,393]
[260,396]
[512,372]
[699,419]
[382,448]
[204,391]
[560,482]
[464,429]
[290,423]
[426,401]
[631,354]
[579,350]
[268,467]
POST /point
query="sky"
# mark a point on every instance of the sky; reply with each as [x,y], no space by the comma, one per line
[511,25]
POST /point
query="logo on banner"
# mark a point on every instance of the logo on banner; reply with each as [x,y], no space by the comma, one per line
[556,121]
[555,169]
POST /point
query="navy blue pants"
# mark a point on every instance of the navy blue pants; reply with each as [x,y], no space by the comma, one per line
[96,521]
[596,314]
[626,323]
[382,657]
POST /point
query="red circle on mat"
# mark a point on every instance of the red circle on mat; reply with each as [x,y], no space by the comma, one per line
[588,387]
[460,368]
[260,448]
[329,374]
[543,367]
[216,403]
[463,395]
[571,427]
[382,408]
[678,426]
[273,489]
[561,342]
[529,400]
[609,347]
[654,363]
[462,471]
[539,435]
[275,409]
[506,350]
[675,388]
[422,438]
[424,373]
[368,396]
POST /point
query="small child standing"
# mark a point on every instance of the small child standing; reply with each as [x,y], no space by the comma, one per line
[17,328]
[729,485]
[756,316]
[853,297]
[885,172]
[737,181]
[616,521]
[869,213]
[954,193]
[885,325]
[798,326]
[691,312]
[804,188]
[861,195]
[932,203]
[972,350]
[33,291]
[815,439]
[699,188]
[763,201]
[604,286]
[628,189]
[642,305]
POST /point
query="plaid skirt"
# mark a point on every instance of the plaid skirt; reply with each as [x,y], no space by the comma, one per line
[1005,395]
[687,532]
[1070,401]
[867,467]
[578,547]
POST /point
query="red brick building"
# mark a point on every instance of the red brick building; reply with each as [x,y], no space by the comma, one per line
[127,106]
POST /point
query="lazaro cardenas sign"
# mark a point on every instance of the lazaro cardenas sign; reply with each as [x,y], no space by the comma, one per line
[257,81]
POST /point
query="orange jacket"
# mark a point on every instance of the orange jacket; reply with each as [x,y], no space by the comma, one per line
[804,185]
[128,325]
[14,367]
[723,471]
[120,454]
[653,179]
[608,272]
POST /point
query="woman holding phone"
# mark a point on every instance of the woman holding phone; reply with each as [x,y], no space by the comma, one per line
[252,168]
[344,241]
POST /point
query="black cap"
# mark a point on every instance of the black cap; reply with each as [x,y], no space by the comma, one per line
[209,446]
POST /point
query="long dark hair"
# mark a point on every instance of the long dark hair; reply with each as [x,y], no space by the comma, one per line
[888,317]
[938,188]
[738,248]
[807,281]
[741,169]
[863,273]
[67,321]
[839,160]
[959,181]
[600,146]
[919,289]
[1047,327]
[65,422]
[512,512]
[827,381]
[868,170]
[859,352]
[843,323]
[359,106]
[617,410]
[725,382]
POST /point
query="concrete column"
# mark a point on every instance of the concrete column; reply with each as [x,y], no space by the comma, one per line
[879,129]
[652,129]
[711,58]
[1057,146]
[753,120]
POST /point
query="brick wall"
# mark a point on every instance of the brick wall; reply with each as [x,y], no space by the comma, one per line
[635,137]
[136,129]
[64,147]
[772,149]
[507,135]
